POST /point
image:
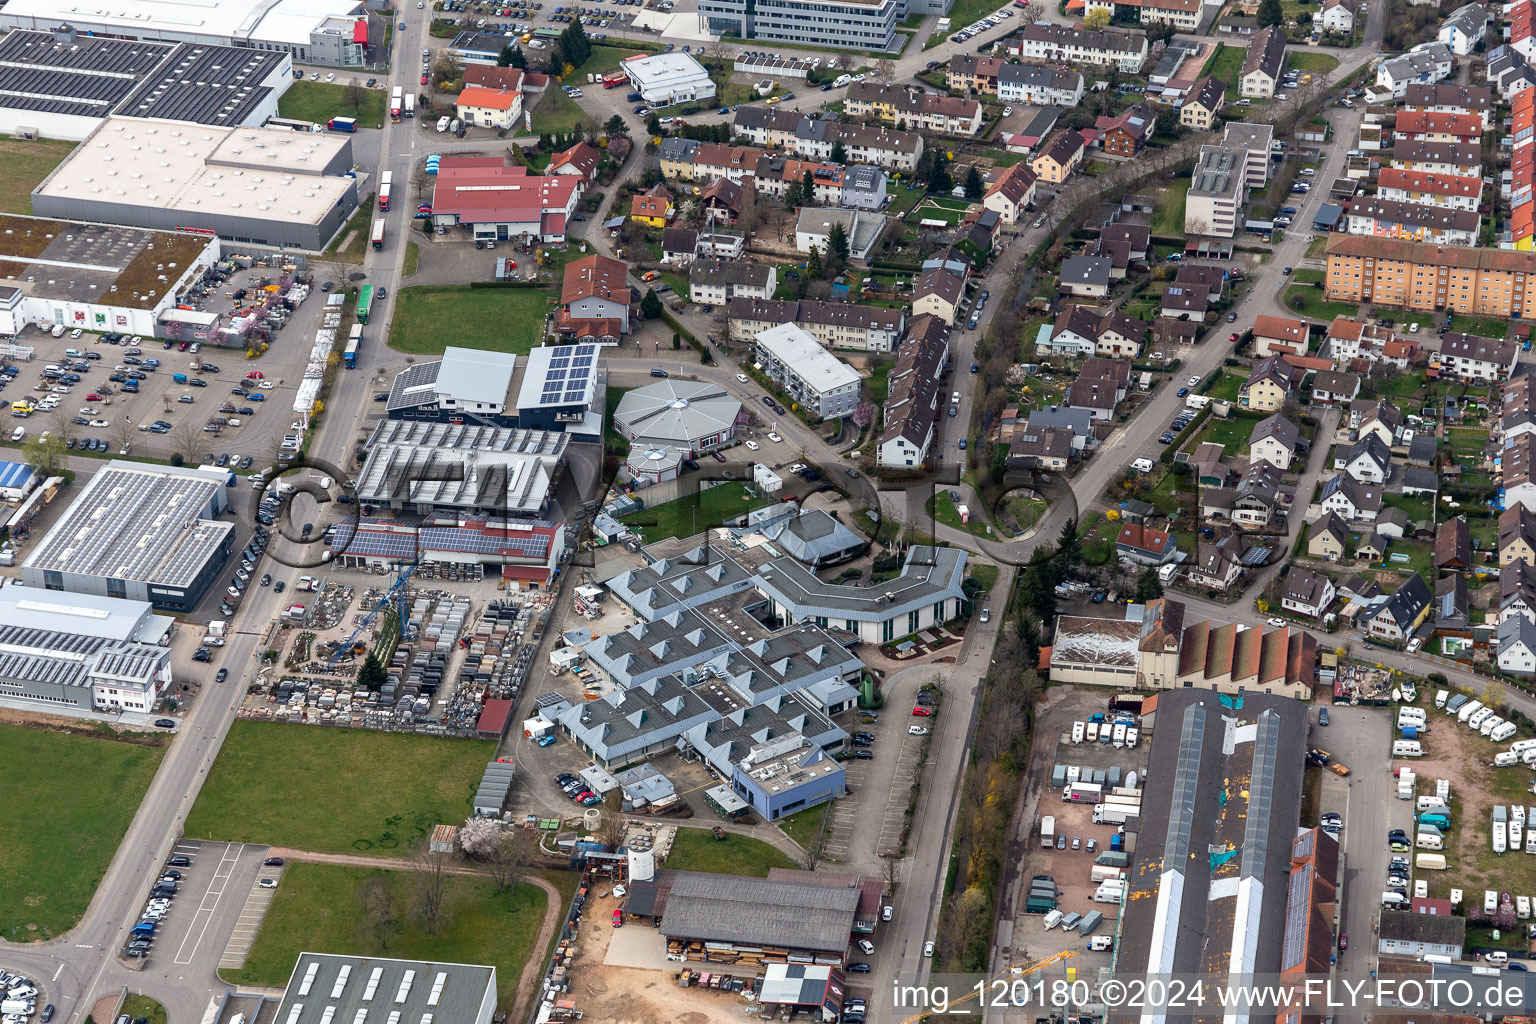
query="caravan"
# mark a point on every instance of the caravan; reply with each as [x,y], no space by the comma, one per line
[1407,748]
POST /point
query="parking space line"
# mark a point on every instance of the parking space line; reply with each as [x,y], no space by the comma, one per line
[209,904]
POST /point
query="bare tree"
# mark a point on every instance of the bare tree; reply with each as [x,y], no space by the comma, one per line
[430,877]
[121,433]
[890,870]
[62,424]
[610,819]
[186,441]
[353,95]
[883,71]
[510,857]
[377,897]
[843,61]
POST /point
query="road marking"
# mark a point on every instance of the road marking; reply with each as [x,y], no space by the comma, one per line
[206,909]
[58,971]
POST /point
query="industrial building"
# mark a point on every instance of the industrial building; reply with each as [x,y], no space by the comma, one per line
[1211,880]
[138,531]
[261,186]
[694,416]
[848,24]
[425,468]
[82,651]
[522,552]
[666,78]
[326,987]
[499,201]
[557,388]
[776,773]
[331,32]
[560,391]
[62,85]
[95,276]
[926,594]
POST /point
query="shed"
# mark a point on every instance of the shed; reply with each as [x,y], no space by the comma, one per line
[1327,218]
[494,716]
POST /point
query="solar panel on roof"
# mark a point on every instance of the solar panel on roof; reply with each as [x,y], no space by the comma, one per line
[574,396]
[555,375]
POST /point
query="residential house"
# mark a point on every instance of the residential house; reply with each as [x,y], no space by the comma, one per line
[1059,157]
[717,282]
[1432,63]
[1351,500]
[813,230]
[1085,277]
[1517,591]
[1517,536]
[973,72]
[1185,302]
[679,246]
[1416,935]
[1479,359]
[1452,608]
[1039,85]
[864,187]
[1461,159]
[1275,440]
[1516,460]
[1146,546]
[1255,142]
[723,201]
[1217,564]
[1127,134]
[915,396]
[1430,126]
[595,288]
[1120,336]
[1096,396]
[652,207]
[1047,43]
[1081,331]
[1380,417]
[1509,71]
[1011,193]
[1327,537]
[1464,29]
[489,108]
[775,174]
[939,292]
[1272,382]
[813,135]
[1516,650]
[1272,334]
[1306,593]
[1137,239]
[1332,388]
[1218,188]
[908,108]
[1418,222]
[1117,371]
[1252,503]
[1367,461]
[580,161]
[1453,544]
[844,325]
[1050,448]
[1338,16]
[1262,66]
[1206,100]
[1396,617]
[1349,339]
[1423,189]
[1419,482]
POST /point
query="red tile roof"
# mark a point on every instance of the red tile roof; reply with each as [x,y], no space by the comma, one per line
[595,276]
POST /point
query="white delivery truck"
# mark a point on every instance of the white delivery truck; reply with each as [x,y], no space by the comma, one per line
[1047,831]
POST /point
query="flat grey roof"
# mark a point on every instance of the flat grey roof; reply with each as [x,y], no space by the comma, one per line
[217,85]
[757,912]
[332,989]
[930,574]
[462,465]
[86,77]
[473,375]
[135,521]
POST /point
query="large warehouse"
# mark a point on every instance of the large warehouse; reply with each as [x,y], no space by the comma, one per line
[332,32]
[327,987]
[61,85]
[523,552]
[423,467]
[691,416]
[768,919]
[556,387]
[138,531]
[81,651]
[95,276]
[1210,883]
[262,186]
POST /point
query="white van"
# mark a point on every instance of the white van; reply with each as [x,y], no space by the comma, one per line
[1498,958]
[1393,899]
[1101,942]
[18,434]
[1142,465]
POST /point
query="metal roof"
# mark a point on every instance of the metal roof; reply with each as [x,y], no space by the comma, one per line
[217,85]
[462,465]
[468,375]
[332,989]
[930,575]
[727,908]
[556,375]
[676,412]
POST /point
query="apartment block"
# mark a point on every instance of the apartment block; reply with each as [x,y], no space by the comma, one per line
[1421,276]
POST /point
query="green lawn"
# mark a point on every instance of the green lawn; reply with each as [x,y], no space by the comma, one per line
[26,163]
[1467,443]
[930,210]
[804,827]
[1226,387]
[1168,213]
[603,59]
[318,908]
[1316,63]
[1232,434]
[412,259]
[90,787]
[351,242]
[361,791]
[696,849]
[1420,510]
[136,1005]
[942,508]
[1226,64]
[1308,276]
[1482,326]
[321,101]
[1309,302]
[686,516]
[429,317]
[557,112]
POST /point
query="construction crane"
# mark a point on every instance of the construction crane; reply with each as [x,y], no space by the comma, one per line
[397,591]
[1013,971]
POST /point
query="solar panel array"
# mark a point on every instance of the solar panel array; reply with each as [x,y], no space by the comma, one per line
[215,85]
[410,547]
[568,379]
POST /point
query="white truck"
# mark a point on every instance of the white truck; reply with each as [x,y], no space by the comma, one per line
[1114,814]
[1082,793]
[1047,831]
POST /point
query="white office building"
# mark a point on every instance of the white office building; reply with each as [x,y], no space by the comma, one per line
[810,374]
[668,78]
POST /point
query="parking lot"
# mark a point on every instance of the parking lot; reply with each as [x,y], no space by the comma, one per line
[1360,738]
[209,899]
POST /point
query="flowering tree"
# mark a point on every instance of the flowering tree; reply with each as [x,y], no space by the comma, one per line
[863,414]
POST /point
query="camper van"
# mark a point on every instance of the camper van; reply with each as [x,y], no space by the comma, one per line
[1505,758]
[1441,696]
[1477,718]
[1407,748]
[1078,730]
[1053,919]
[1467,710]
[1425,841]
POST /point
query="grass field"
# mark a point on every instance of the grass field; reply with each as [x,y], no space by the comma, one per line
[557,112]
[1231,434]
[1316,63]
[1312,304]
[1482,326]
[26,163]
[805,827]
[351,242]
[942,508]
[603,59]
[499,319]
[1226,64]
[412,259]
[364,792]
[91,788]
[136,1006]
[1168,213]
[695,849]
[1227,387]
[321,101]
[318,908]
[685,516]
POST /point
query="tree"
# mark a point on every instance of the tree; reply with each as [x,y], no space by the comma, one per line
[1097,19]
[677,341]
[519,58]
[837,247]
[794,196]
[1148,586]
[938,174]
[508,54]
[610,819]
[430,881]
[1270,13]
[479,836]
[843,61]
[863,414]
[509,858]
[814,271]
[61,424]
[120,435]
[354,96]
[973,184]
[616,125]
[653,124]
[371,675]
[650,306]
[377,896]
[839,155]
[807,190]
[1067,543]
[890,870]
[883,71]
[186,442]
[46,455]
